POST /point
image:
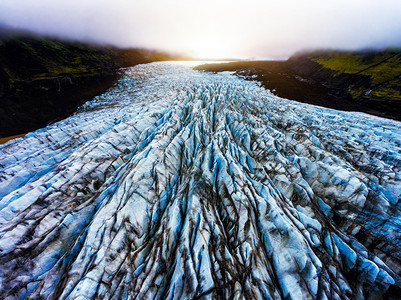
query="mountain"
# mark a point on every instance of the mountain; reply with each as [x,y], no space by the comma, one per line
[370,75]
[180,184]
[45,79]
[367,81]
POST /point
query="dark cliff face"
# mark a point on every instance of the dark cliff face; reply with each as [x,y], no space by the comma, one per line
[43,80]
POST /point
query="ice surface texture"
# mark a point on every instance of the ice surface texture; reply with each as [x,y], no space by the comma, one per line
[183,184]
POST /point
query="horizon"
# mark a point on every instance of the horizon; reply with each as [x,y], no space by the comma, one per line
[9,32]
[207,30]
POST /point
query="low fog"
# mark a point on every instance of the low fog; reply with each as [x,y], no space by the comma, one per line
[235,29]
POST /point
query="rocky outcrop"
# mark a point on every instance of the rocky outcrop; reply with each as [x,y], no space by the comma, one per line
[183,184]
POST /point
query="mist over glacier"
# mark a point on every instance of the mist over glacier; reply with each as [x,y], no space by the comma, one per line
[182,184]
[232,29]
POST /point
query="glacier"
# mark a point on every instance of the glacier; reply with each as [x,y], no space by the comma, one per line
[177,183]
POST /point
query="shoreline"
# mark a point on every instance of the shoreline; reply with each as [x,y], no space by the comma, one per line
[281,80]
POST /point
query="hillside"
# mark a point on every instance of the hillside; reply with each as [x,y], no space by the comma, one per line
[43,79]
[367,81]
[368,74]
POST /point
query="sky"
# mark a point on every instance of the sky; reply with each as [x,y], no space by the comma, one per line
[270,29]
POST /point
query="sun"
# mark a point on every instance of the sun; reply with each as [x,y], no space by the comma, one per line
[210,49]
[210,52]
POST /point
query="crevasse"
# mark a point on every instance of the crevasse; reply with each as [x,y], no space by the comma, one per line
[182,184]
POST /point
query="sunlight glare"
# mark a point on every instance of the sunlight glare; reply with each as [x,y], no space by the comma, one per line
[211,49]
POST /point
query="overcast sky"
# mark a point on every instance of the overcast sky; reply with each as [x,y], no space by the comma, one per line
[215,28]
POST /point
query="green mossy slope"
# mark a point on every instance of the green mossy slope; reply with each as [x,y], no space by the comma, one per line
[371,75]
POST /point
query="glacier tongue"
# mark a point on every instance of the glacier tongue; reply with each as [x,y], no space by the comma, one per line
[182,184]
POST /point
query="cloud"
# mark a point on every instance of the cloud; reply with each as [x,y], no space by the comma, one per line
[251,28]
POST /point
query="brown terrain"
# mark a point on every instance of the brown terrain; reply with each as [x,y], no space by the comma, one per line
[302,79]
